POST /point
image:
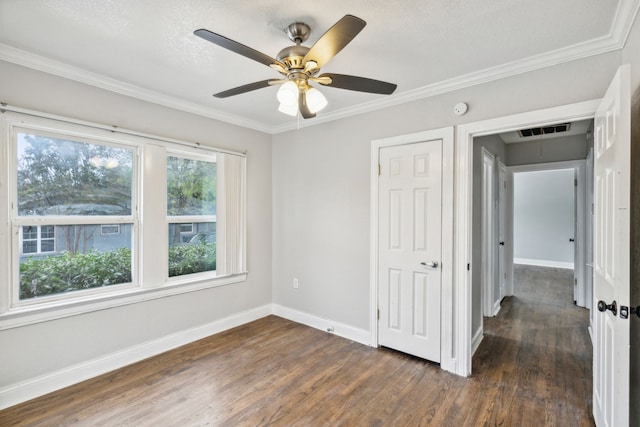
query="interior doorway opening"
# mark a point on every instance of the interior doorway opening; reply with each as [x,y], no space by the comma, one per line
[548,214]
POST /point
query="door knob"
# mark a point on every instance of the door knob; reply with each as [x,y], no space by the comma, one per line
[501,243]
[432,264]
[571,239]
[603,306]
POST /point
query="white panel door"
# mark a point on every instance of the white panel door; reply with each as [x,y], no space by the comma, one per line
[489,249]
[502,229]
[410,248]
[612,255]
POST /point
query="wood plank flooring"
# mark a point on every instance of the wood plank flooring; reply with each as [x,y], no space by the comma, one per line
[532,369]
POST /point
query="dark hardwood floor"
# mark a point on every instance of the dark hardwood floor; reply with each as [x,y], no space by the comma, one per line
[532,369]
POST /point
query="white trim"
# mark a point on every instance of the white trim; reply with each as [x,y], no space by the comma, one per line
[331,326]
[43,312]
[488,203]
[29,389]
[560,56]
[496,307]
[614,40]
[51,66]
[543,263]
[477,339]
[447,348]
[464,204]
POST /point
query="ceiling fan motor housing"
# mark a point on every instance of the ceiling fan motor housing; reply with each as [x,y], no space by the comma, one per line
[298,32]
[292,56]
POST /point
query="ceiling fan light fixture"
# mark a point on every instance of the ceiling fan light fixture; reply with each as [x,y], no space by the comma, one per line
[289,109]
[315,100]
[288,93]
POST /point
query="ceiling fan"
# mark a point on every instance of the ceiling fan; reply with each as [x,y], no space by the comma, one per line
[300,66]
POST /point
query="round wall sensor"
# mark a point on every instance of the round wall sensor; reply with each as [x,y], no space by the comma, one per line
[460,108]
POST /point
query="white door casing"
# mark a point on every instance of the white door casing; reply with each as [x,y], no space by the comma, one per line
[611,356]
[502,230]
[463,212]
[488,234]
[410,248]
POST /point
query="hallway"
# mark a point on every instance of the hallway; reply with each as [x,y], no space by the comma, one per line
[538,352]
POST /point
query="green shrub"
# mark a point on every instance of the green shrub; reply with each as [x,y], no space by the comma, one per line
[187,259]
[67,272]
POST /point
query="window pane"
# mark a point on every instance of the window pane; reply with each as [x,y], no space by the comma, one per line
[47,245]
[83,259]
[62,177]
[194,253]
[47,231]
[30,247]
[191,187]
[29,232]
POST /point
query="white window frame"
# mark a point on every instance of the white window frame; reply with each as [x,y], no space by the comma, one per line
[190,219]
[38,241]
[17,221]
[149,243]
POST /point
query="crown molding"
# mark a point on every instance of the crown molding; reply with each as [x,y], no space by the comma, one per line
[50,66]
[560,56]
[615,40]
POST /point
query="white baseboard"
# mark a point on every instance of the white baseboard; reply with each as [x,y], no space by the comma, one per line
[496,307]
[32,388]
[543,263]
[345,331]
[476,340]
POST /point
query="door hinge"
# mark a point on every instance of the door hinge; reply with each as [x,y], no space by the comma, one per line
[575,182]
[378,314]
[379,169]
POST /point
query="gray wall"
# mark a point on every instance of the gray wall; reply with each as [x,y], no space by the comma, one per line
[38,349]
[547,150]
[543,205]
[321,181]
[631,55]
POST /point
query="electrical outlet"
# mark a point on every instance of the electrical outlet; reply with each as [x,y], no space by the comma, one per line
[296,283]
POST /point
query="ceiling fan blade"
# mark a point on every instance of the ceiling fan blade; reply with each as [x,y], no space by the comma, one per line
[336,38]
[303,107]
[236,47]
[360,84]
[245,88]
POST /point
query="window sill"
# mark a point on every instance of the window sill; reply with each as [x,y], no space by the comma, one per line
[44,312]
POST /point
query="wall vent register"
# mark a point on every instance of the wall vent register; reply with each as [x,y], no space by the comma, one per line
[545,130]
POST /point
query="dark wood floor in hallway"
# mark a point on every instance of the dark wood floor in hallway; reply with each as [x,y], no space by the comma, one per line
[532,369]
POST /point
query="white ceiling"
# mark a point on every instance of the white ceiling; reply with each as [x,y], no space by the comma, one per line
[146,48]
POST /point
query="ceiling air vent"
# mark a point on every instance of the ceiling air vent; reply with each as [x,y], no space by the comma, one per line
[559,128]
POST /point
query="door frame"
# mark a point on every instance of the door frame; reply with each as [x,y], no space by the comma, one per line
[505,264]
[446,134]
[488,235]
[464,204]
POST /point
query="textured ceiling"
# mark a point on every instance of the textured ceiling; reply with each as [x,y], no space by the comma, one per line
[146,48]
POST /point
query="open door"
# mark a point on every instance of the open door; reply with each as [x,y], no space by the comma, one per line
[612,254]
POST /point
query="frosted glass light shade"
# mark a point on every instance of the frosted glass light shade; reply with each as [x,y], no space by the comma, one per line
[288,93]
[289,109]
[315,100]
